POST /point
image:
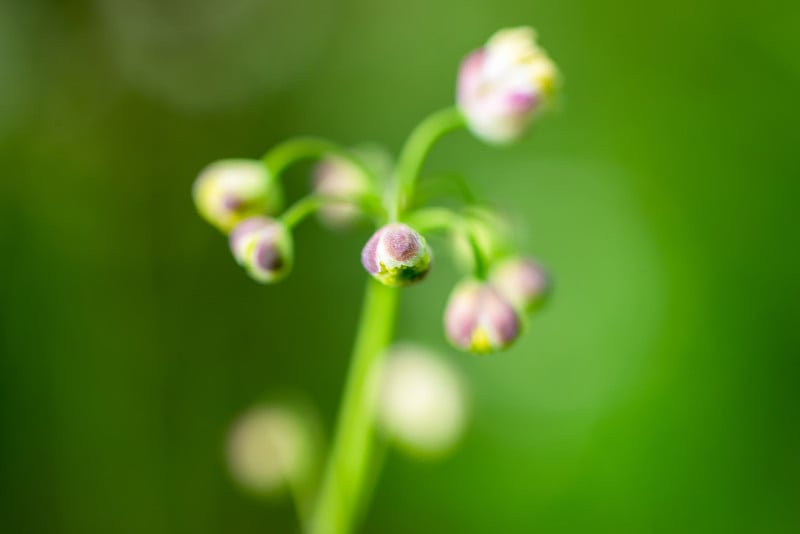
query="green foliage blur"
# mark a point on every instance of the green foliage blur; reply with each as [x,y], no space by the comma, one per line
[658,392]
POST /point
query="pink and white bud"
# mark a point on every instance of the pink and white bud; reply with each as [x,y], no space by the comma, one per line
[338,178]
[264,247]
[478,318]
[229,191]
[523,282]
[396,255]
[504,85]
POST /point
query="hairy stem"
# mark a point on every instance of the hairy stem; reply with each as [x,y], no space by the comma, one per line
[346,476]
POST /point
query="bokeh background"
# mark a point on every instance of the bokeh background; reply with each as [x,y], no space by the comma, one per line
[657,393]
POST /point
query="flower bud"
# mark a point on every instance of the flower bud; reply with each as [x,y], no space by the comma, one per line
[264,247]
[479,319]
[396,255]
[523,282]
[503,85]
[229,191]
[338,178]
[271,447]
[420,400]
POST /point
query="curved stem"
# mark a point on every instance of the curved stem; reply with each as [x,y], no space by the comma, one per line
[346,475]
[281,156]
[309,204]
[416,149]
[438,219]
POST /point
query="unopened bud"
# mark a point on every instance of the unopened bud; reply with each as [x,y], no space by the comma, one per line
[229,191]
[421,401]
[523,282]
[264,247]
[503,85]
[340,179]
[271,447]
[396,255]
[479,319]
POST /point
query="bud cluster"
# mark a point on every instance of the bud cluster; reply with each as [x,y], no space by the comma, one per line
[419,401]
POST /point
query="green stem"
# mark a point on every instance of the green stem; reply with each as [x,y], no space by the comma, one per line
[416,149]
[281,156]
[346,476]
[438,219]
[368,204]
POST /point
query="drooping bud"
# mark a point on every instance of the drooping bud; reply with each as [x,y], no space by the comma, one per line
[270,447]
[479,319]
[523,282]
[340,179]
[503,85]
[396,255]
[420,400]
[264,247]
[229,191]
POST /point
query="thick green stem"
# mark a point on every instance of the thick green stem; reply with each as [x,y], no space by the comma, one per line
[346,476]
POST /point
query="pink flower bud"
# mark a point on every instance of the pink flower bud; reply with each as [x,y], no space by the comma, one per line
[338,178]
[479,319]
[229,191]
[264,247]
[396,255]
[503,85]
[523,282]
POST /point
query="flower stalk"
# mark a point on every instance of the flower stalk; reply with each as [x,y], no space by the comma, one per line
[502,87]
[342,492]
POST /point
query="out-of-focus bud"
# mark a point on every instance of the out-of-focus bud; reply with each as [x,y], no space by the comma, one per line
[264,247]
[270,447]
[229,191]
[503,85]
[420,400]
[396,255]
[338,178]
[479,319]
[523,282]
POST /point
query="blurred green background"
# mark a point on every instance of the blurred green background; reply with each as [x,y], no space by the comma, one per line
[658,392]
